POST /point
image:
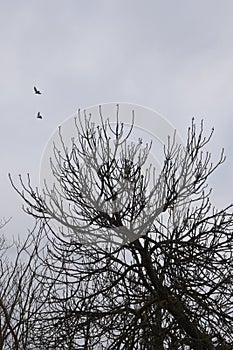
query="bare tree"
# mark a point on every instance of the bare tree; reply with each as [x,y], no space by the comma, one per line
[20,290]
[134,260]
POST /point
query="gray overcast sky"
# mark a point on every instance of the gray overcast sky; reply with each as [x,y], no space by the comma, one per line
[172,56]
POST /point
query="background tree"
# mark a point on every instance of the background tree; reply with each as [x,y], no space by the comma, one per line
[134,261]
[19,289]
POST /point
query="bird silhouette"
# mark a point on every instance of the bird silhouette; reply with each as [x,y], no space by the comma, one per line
[37,92]
[39,116]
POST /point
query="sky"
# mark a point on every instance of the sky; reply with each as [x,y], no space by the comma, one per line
[175,57]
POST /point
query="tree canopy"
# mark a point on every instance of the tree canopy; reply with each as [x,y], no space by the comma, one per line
[133,259]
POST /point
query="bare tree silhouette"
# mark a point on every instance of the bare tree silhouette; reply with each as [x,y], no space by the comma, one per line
[20,290]
[135,260]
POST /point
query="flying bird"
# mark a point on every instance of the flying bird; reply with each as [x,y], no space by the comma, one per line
[39,116]
[37,92]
